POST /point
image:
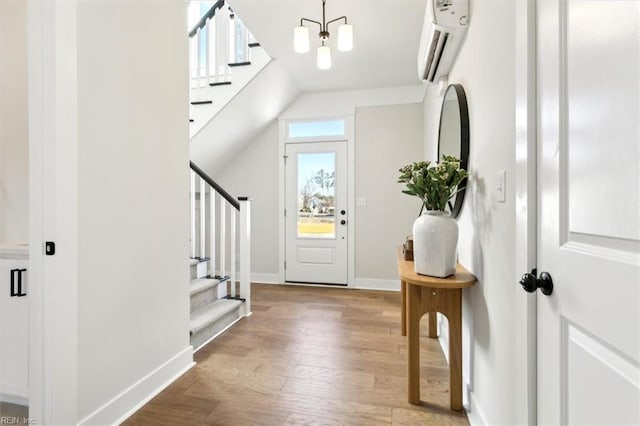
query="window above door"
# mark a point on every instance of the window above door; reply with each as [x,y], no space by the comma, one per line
[308,130]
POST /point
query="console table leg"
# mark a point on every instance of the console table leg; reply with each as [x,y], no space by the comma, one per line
[414,306]
[403,312]
[455,350]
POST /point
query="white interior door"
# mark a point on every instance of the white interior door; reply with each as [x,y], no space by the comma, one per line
[316,212]
[589,212]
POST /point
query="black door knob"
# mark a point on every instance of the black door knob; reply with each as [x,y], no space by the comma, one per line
[343,222]
[531,283]
[343,212]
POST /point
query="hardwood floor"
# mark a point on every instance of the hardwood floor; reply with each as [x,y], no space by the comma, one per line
[308,356]
[12,414]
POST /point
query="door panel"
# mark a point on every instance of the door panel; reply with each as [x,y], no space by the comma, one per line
[610,381]
[589,211]
[601,75]
[316,202]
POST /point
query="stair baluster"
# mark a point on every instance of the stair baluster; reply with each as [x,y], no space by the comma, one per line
[223,73]
[203,211]
[207,51]
[245,253]
[232,251]
[222,236]
[213,258]
[192,201]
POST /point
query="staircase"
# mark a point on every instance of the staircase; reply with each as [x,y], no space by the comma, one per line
[220,290]
[224,58]
[210,315]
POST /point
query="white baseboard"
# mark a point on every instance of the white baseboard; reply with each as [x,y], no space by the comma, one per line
[130,400]
[474,414]
[257,277]
[443,335]
[11,399]
[218,334]
[360,283]
[376,284]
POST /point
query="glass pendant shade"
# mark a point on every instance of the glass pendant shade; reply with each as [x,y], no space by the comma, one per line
[324,57]
[345,38]
[301,39]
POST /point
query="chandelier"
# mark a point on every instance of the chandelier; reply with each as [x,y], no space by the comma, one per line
[301,38]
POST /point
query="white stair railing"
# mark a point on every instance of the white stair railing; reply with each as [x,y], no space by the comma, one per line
[217,40]
[219,229]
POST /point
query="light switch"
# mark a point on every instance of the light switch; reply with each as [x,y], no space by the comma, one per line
[501,187]
[361,201]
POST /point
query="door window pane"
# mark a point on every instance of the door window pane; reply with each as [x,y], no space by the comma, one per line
[316,195]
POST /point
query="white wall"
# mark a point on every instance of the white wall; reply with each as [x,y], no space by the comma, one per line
[396,123]
[243,118]
[133,192]
[387,138]
[14,143]
[486,69]
[335,104]
[254,173]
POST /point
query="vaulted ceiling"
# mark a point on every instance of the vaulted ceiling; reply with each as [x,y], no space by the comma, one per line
[385,33]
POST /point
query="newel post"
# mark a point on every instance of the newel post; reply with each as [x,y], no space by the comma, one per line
[245,253]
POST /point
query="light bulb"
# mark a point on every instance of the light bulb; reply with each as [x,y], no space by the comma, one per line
[345,38]
[301,39]
[324,57]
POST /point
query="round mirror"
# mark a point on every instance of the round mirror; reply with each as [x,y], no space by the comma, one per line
[453,136]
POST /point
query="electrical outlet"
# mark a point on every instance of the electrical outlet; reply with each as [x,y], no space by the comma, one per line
[361,201]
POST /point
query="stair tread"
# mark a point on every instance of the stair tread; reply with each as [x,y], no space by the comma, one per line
[195,261]
[201,284]
[210,313]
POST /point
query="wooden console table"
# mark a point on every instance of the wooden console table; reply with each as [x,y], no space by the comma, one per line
[421,295]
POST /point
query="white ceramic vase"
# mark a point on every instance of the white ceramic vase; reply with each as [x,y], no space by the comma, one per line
[435,240]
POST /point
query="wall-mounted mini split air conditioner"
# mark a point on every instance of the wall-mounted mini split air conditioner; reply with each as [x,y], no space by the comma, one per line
[443,30]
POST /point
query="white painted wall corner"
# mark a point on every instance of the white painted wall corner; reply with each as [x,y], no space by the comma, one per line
[133,398]
[263,278]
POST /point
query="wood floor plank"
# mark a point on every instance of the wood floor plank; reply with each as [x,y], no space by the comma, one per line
[430,416]
[308,356]
[296,419]
[327,375]
[232,413]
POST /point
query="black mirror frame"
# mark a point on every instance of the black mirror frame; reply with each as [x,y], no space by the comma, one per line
[464,142]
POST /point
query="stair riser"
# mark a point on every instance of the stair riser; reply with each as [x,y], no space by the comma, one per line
[199,270]
[204,298]
[204,335]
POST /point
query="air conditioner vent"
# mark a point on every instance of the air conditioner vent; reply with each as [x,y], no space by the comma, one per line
[440,47]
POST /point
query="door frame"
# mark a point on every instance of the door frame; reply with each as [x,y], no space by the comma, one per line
[526,209]
[296,272]
[283,139]
[53,211]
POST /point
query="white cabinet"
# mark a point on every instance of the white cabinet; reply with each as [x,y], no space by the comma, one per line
[14,331]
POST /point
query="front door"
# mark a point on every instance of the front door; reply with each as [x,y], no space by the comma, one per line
[316,212]
[589,212]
